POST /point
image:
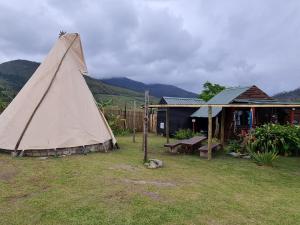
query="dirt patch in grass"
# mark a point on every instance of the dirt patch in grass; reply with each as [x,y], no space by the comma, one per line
[121,196]
[15,198]
[152,195]
[8,175]
[124,167]
[155,183]
[7,171]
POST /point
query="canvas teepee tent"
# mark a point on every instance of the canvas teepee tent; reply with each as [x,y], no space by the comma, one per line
[55,110]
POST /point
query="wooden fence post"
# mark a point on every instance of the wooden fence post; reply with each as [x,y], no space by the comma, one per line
[209,132]
[223,128]
[145,130]
[167,126]
[133,135]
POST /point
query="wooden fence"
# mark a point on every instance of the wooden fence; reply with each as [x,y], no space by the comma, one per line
[126,119]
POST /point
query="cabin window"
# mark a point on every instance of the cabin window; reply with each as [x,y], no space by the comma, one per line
[162,125]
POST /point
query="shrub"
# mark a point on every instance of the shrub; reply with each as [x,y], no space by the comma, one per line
[183,134]
[233,146]
[115,124]
[265,157]
[284,139]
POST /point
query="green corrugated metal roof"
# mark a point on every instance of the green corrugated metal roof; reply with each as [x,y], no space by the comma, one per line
[181,101]
[224,97]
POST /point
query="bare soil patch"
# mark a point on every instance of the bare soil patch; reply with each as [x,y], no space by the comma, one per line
[156,183]
[125,167]
[7,171]
[153,195]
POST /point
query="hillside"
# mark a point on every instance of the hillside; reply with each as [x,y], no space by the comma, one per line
[157,90]
[14,74]
[21,68]
[293,95]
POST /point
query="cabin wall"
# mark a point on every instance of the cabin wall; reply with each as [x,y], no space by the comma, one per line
[254,93]
[296,115]
[179,118]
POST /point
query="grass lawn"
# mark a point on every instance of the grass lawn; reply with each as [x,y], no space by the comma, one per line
[115,188]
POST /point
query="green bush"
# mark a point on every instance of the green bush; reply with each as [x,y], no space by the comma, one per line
[264,158]
[115,124]
[233,146]
[185,134]
[284,139]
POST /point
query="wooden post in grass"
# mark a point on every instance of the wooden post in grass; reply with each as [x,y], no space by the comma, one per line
[292,116]
[222,128]
[167,126]
[145,130]
[133,134]
[209,132]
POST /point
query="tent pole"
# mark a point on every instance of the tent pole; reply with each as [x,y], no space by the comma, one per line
[209,132]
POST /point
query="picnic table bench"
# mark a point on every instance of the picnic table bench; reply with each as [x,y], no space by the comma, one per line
[204,149]
[172,145]
[188,145]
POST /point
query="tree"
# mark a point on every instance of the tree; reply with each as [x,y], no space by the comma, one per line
[210,90]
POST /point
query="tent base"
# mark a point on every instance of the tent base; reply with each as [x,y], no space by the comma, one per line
[101,147]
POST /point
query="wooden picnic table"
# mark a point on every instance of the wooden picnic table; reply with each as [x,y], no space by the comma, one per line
[188,145]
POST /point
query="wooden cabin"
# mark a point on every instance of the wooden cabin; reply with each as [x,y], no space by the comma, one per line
[239,121]
[179,118]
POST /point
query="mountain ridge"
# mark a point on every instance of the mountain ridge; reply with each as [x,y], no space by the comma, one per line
[293,95]
[14,74]
[156,89]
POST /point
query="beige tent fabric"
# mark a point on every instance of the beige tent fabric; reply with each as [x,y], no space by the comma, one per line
[55,109]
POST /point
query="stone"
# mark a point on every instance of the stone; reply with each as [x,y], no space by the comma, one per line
[234,154]
[154,163]
[43,158]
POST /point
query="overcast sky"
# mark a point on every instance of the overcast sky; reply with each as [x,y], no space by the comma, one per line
[180,42]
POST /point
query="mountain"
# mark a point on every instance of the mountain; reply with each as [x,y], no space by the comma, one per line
[157,90]
[14,74]
[293,95]
[21,68]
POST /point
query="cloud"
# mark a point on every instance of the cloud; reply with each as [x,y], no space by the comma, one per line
[172,41]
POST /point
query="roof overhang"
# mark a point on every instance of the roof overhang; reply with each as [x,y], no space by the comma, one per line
[282,105]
